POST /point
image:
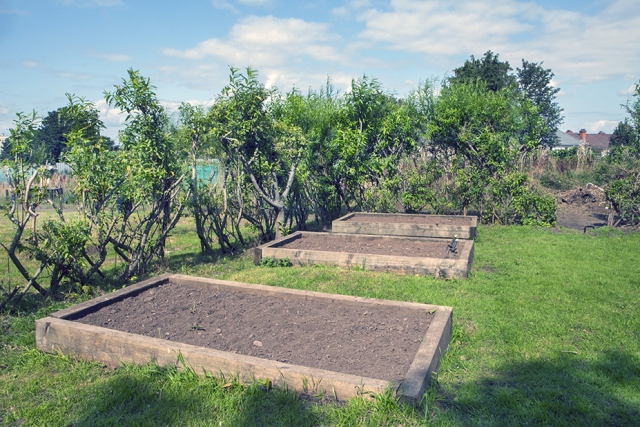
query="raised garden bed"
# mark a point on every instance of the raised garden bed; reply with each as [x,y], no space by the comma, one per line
[412,225]
[310,341]
[402,255]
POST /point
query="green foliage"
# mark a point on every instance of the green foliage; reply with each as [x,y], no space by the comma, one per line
[624,195]
[535,84]
[566,153]
[624,135]
[488,69]
[477,136]
[275,262]
[624,192]
[256,130]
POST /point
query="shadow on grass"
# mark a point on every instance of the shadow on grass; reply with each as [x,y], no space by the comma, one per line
[566,390]
[155,396]
[188,260]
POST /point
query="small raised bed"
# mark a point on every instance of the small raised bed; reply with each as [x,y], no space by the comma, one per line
[401,255]
[412,225]
[265,317]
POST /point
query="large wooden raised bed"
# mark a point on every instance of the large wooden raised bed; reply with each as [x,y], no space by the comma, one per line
[401,255]
[412,225]
[63,332]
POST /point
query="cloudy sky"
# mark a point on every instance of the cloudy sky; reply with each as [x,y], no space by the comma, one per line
[52,47]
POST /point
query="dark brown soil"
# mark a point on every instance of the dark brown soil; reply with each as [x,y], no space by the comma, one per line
[370,341]
[371,245]
[582,207]
[412,219]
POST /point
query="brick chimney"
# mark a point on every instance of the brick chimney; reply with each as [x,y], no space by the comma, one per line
[583,135]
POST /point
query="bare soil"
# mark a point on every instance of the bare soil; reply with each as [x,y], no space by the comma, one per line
[582,207]
[370,341]
[412,219]
[371,245]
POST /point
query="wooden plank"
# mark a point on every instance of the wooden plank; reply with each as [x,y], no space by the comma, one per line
[112,347]
[405,265]
[94,304]
[56,333]
[427,360]
[365,223]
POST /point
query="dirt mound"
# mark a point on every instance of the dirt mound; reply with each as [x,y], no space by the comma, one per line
[582,207]
[589,196]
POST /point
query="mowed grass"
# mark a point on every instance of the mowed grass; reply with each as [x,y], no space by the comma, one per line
[546,332]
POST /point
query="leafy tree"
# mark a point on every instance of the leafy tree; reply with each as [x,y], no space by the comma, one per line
[624,135]
[154,174]
[532,80]
[624,193]
[50,139]
[267,148]
[27,194]
[535,83]
[5,153]
[478,136]
[489,69]
[633,108]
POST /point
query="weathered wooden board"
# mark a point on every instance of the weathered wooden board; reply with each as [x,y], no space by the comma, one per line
[405,265]
[59,333]
[441,226]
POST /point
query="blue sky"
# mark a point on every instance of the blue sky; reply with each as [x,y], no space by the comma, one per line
[51,47]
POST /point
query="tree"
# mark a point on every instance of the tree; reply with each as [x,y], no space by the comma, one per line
[5,153]
[27,194]
[478,135]
[624,135]
[633,108]
[532,81]
[489,69]
[154,173]
[624,193]
[50,139]
[267,148]
[535,84]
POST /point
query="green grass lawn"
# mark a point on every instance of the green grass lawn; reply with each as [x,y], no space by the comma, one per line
[546,332]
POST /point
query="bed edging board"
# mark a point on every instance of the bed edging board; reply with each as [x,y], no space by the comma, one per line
[404,265]
[59,333]
[348,224]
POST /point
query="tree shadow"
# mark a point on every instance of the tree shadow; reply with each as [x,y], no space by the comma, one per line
[158,396]
[566,390]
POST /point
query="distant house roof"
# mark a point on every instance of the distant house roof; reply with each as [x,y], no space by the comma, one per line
[597,141]
[567,140]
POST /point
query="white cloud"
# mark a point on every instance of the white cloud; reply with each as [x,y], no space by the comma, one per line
[629,91]
[112,57]
[90,3]
[224,5]
[30,64]
[255,2]
[446,29]
[606,126]
[589,47]
[7,11]
[267,41]
[351,8]
[113,118]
